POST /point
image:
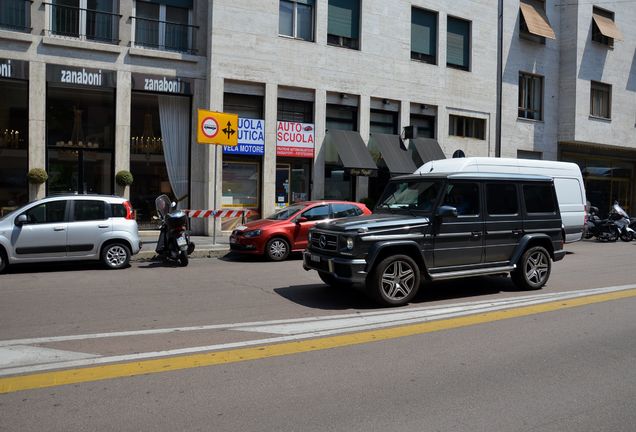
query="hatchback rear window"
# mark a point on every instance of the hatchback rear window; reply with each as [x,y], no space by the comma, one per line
[539,198]
[118,210]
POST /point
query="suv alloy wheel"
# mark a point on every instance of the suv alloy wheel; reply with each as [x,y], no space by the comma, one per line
[395,280]
[533,269]
[4,261]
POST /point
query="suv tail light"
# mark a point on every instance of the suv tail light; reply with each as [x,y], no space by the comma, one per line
[130,214]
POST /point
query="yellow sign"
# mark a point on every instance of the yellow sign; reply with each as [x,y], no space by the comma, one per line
[217,128]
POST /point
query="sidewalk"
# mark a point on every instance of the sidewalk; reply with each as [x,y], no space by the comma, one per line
[204,247]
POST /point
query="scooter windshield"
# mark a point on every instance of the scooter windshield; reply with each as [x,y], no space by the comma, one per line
[162,204]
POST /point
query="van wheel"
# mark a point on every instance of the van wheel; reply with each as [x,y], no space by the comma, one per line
[4,261]
[115,255]
[394,281]
[277,249]
[331,281]
[533,269]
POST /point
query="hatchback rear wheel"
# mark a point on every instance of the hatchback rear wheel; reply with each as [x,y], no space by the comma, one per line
[115,255]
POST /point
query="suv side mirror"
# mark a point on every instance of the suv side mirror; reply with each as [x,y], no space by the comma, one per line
[446,211]
[21,220]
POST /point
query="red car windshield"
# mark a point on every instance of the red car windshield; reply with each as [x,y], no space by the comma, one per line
[286,213]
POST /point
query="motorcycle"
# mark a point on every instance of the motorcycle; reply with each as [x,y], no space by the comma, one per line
[602,229]
[622,221]
[174,242]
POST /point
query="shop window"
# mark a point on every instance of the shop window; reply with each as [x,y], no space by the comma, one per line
[14,141]
[342,117]
[467,127]
[95,20]
[530,96]
[343,28]
[164,25]
[383,122]
[425,125]
[159,151]
[241,184]
[603,27]
[80,139]
[296,19]
[601,100]
[295,111]
[458,44]
[15,15]
[424,35]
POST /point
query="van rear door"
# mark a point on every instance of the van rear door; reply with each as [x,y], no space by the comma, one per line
[572,206]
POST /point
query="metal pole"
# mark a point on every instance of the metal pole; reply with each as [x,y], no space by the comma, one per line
[214,215]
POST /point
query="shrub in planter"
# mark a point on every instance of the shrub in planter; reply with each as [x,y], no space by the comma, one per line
[37,176]
[124,178]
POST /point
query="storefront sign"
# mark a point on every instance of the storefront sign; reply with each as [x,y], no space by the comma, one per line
[217,128]
[81,76]
[14,69]
[251,138]
[161,84]
[295,139]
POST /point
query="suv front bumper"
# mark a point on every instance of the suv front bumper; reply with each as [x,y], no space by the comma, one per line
[343,269]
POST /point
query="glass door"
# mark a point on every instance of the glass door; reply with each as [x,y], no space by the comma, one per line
[283,174]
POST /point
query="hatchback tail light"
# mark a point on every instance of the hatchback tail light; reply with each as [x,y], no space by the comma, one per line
[130,214]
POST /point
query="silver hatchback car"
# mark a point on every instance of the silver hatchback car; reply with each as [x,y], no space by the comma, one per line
[70,228]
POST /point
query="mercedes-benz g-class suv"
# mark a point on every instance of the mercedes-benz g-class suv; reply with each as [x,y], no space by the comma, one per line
[432,227]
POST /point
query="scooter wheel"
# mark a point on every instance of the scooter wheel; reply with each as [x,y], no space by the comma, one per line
[626,236]
[183,259]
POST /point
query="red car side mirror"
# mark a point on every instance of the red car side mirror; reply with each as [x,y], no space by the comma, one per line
[302,219]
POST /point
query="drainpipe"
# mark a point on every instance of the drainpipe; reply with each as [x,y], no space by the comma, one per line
[499,77]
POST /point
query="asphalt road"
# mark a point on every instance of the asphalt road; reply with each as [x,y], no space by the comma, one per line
[567,369]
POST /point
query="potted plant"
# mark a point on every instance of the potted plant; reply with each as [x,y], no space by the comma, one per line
[37,176]
[124,178]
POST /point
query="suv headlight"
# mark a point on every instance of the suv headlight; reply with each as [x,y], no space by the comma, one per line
[349,243]
[254,233]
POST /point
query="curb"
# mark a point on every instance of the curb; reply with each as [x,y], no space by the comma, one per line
[198,253]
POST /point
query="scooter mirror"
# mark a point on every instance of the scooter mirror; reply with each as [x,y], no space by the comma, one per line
[173,204]
[155,218]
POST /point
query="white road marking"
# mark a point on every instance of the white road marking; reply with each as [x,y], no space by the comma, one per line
[302,328]
[20,355]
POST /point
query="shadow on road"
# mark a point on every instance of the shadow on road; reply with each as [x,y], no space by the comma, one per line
[324,297]
[238,257]
[55,267]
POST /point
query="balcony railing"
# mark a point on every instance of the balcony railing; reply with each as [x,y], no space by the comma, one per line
[85,24]
[15,15]
[165,35]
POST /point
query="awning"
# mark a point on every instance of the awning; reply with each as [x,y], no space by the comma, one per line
[607,27]
[426,149]
[536,20]
[397,159]
[352,152]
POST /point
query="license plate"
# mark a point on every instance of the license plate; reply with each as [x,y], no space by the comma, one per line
[315,258]
[181,241]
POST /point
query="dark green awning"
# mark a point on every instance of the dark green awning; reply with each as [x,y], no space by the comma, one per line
[426,149]
[352,153]
[397,158]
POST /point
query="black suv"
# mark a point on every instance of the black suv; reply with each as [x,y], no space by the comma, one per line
[443,226]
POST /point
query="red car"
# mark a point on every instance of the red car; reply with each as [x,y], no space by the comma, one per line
[286,230]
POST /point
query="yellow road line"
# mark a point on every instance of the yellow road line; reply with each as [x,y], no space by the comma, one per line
[129,369]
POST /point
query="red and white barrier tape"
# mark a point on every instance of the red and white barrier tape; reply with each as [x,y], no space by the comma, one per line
[216,213]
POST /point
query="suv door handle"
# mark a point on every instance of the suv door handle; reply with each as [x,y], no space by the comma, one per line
[516,232]
[475,234]
[102,226]
[59,228]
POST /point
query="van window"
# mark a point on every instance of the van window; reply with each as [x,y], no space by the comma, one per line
[568,191]
[501,199]
[464,197]
[539,198]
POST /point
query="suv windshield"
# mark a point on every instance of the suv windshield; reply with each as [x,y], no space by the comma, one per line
[410,194]
[286,213]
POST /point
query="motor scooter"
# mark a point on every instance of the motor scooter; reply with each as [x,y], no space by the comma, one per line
[622,221]
[174,242]
[602,229]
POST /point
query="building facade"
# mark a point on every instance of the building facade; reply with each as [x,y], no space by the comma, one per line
[323,90]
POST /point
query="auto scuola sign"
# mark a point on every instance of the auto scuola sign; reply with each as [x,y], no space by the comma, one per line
[295,139]
[251,138]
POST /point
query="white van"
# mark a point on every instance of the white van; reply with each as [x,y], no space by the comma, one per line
[568,182]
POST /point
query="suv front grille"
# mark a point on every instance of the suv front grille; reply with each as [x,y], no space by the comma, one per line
[324,241]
